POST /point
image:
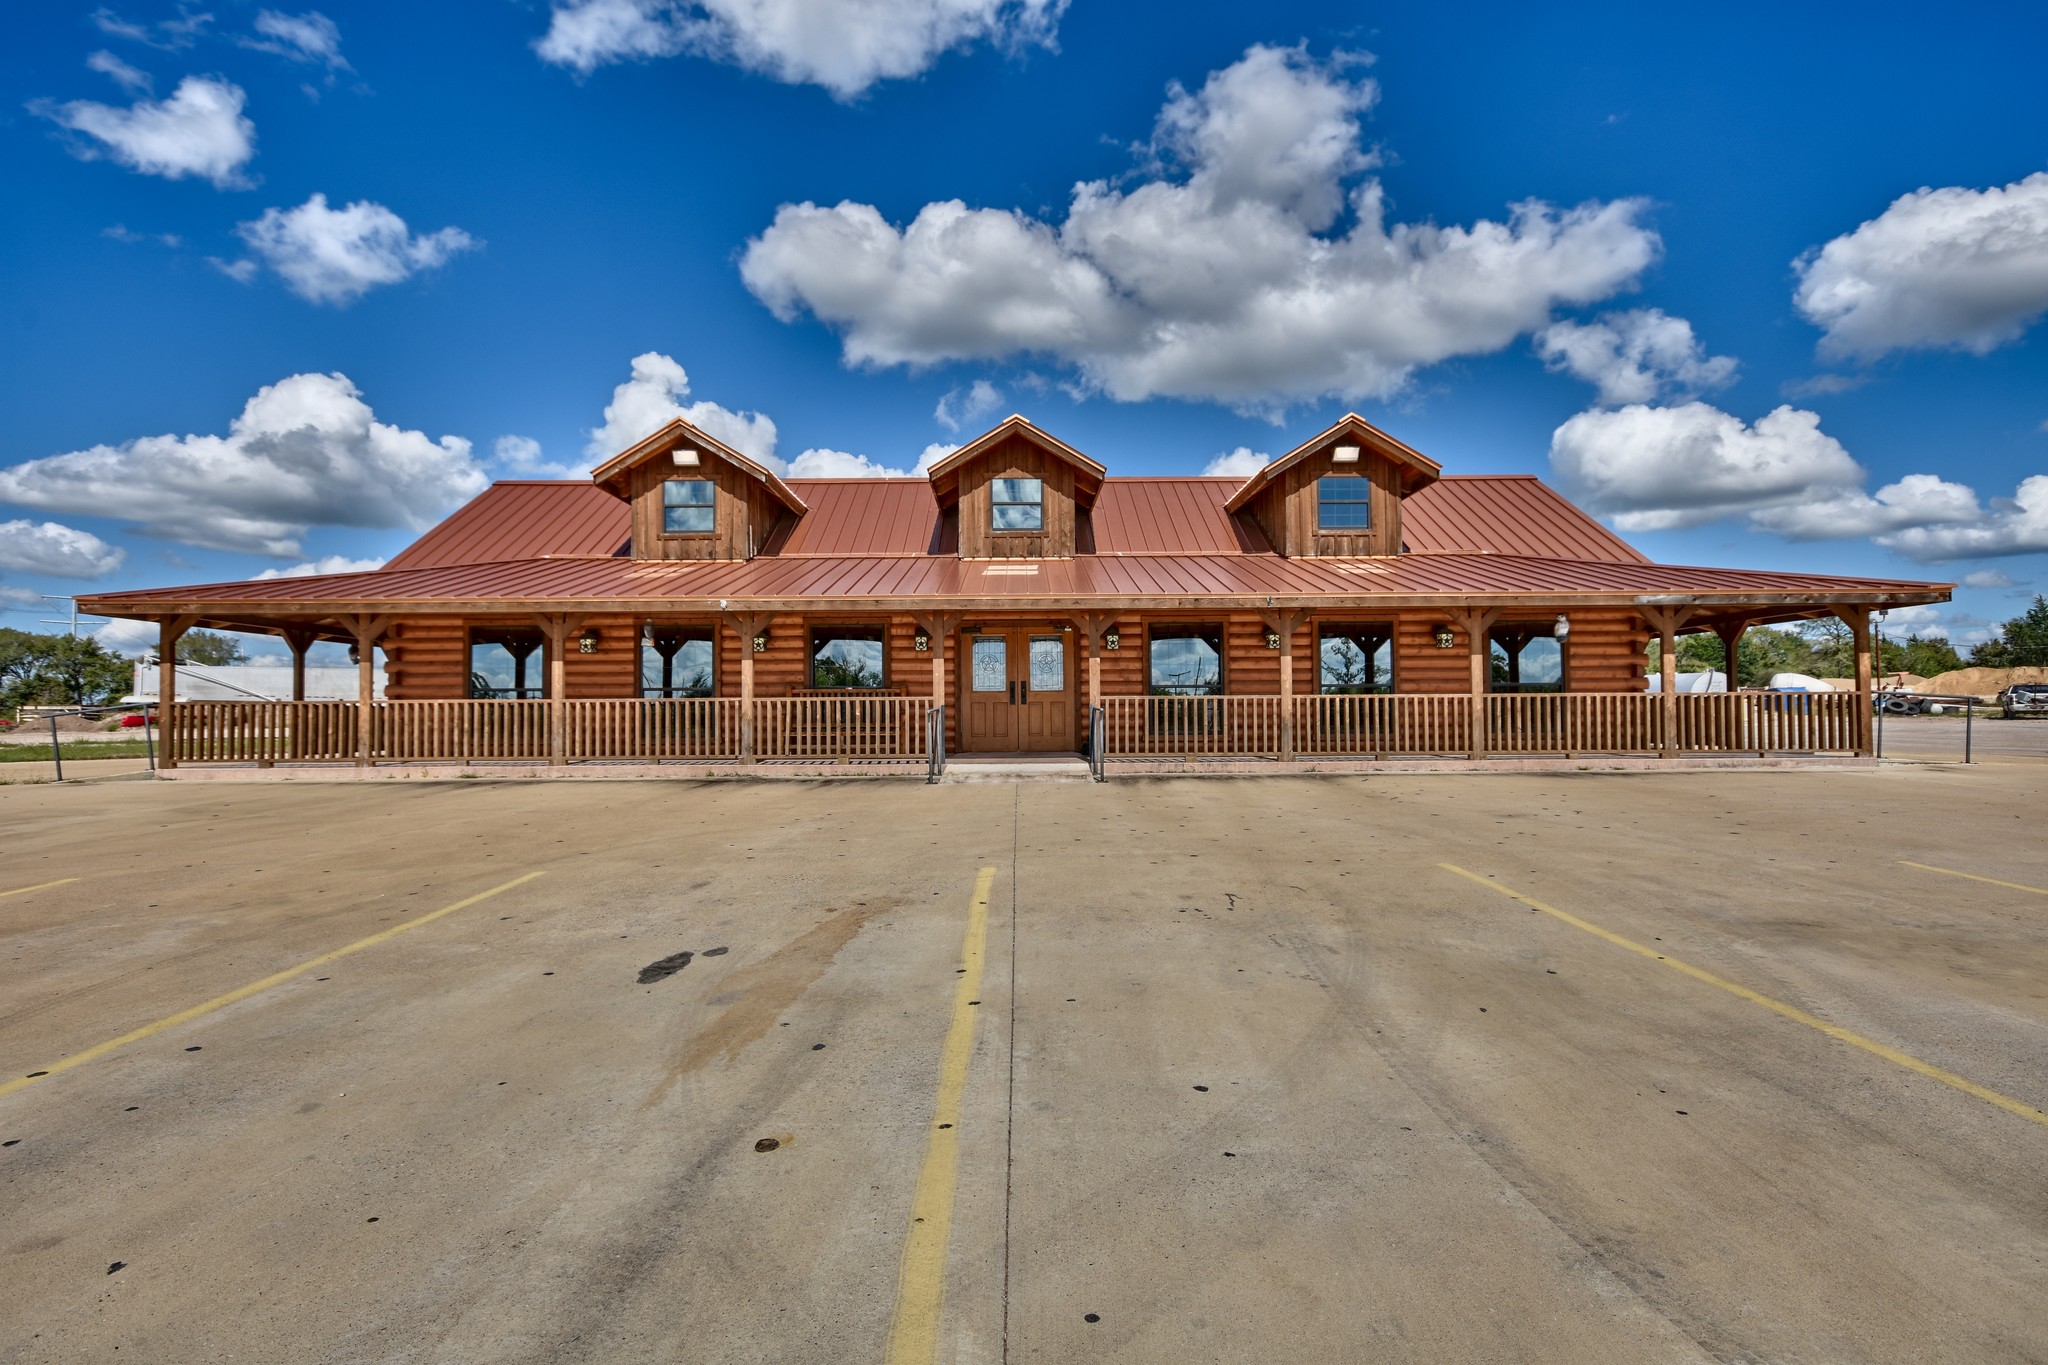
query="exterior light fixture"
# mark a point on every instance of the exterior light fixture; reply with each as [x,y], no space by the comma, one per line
[921,642]
[1563,628]
[1446,638]
[1111,640]
[1344,455]
[355,654]
[760,644]
[686,459]
[647,632]
[1272,639]
[586,643]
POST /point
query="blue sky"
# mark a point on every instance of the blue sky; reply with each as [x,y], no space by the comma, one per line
[1684,268]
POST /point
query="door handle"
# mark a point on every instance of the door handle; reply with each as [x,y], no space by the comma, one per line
[1013,694]
[1024,692]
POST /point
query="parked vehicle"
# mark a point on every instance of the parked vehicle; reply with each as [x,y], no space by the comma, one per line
[2024,699]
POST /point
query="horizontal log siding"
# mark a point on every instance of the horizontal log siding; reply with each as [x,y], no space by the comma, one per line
[910,673]
[427,659]
[1605,651]
[614,670]
[1419,666]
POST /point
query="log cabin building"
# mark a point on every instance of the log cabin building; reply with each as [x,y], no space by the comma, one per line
[685,604]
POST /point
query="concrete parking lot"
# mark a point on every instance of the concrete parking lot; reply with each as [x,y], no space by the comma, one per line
[1705,1066]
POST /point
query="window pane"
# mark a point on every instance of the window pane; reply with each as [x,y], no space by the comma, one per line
[991,663]
[1019,490]
[507,665]
[689,664]
[1187,662]
[1357,661]
[685,520]
[686,493]
[1048,663]
[847,657]
[1526,661]
[1344,503]
[1019,517]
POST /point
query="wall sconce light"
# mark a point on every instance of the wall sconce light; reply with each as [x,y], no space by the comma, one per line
[1563,628]
[1344,455]
[1111,640]
[586,643]
[921,642]
[686,459]
[1446,638]
[1272,640]
[760,644]
[647,631]
[355,654]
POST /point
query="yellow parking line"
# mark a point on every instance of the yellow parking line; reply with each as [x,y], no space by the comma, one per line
[57,1068]
[1951,872]
[921,1282]
[39,886]
[1890,1054]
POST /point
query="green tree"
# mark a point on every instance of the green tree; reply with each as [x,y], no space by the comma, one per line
[2021,642]
[57,670]
[210,647]
[1929,656]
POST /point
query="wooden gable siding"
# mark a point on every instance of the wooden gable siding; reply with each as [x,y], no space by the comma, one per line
[1016,458]
[747,514]
[1286,509]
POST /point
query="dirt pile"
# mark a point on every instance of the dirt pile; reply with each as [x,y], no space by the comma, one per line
[1979,682]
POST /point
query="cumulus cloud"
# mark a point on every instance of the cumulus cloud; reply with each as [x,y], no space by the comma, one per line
[325,565]
[958,408]
[306,451]
[337,255]
[1636,356]
[838,464]
[2017,525]
[520,457]
[1942,268]
[646,402]
[1241,463]
[134,81]
[1918,500]
[1661,468]
[1225,276]
[845,47]
[199,131]
[310,38]
[62,551]
[1989,578]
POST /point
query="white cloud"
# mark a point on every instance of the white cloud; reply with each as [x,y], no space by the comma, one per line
[1989,578]
[1916,500]
[241,272]
[48,548]
[324,565]
[644,404]
[337,255]
[838,464]
[1241,463]
[169,35]
[121,232]
[846,46]
[305,451]
[199,131]
[520,456]
[1231,282]
[311,37]
[2011,526]
[1948,268]
[956,409]
[134,81]
[1661,468]
[1636,356]
[129,637]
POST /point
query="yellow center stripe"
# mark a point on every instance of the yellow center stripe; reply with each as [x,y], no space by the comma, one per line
[1870,1045]
[243,993]
[39,886]
[1951,872]
[921,1282]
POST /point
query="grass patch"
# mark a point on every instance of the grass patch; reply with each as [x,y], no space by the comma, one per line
[83,751]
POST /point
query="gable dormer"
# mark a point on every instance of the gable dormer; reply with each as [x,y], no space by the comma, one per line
[1016,493]
[694,497]
[1337,494]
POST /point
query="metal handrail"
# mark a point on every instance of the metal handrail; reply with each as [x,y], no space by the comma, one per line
[935,744]
[1096,762]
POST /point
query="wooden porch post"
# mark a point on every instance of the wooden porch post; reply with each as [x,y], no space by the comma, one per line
[298,641]
[368,630]
[1666,620]
[169,631]
[748,624]
[1283,624]
[1476,623]
[1731,633]
[938,627]
[1096,625]
[1858,621]
[557,629]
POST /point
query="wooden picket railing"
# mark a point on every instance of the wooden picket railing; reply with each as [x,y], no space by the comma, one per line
[1192,726]
[260,732]
[704,728]
[1769,722]
[459,731]
[1574,723]
[1376,725]
[841,725]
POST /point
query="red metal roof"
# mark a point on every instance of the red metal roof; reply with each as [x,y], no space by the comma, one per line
[862,517]
[1506,514]
[524,519]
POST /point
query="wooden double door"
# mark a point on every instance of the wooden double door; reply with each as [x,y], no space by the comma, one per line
[1017,694]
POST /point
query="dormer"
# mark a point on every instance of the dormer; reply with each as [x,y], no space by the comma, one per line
[1016,493]
[694,497]
[1337,494]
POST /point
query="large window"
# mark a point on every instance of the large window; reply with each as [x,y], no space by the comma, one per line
[689,506]
[1344,503]
[507,664]
[1526,658]
[1186,661]
[1017,504]
[1355,658]
[676,661]
[847,656]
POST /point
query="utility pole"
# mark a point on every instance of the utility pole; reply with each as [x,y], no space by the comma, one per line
[76,620]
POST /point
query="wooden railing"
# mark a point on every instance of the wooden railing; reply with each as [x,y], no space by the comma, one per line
[260,732]
[1191,726]
[1377,725]
[459,730]
[1769,722]
[841,725]
[656,728]
[1574,723]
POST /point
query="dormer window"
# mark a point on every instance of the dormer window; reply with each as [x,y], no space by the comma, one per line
[688,507]
[1017,504]
[1344,503]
